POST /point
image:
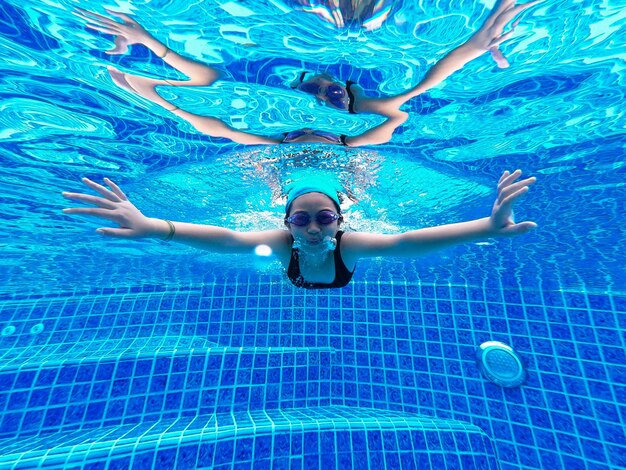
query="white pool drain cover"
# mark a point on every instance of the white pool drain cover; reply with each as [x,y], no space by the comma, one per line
[500,364]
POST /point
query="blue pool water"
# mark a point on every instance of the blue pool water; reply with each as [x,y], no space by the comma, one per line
[153,355]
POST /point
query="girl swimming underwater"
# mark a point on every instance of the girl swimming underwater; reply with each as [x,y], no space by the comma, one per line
[312,248]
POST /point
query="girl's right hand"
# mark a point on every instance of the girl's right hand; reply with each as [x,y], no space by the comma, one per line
[126,33]
[114,206]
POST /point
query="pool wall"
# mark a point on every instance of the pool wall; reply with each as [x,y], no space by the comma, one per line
[400,347]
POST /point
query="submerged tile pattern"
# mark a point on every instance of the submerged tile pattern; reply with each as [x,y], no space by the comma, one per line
[404,347]
[329,437]
[96,392]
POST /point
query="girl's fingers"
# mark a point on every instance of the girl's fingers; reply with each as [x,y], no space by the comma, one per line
[116,189]
[102,213]
[499,7]
[522,227]
[79,14]
[111,196]
[122,16]
[92,21]
[515,187]
[528,225]
[508,15]
[511,188]
[115,232]
[509,179]
[94,17]
[504,175]
[102,29]
[505,16]
[508,201]
[501,39]
[89,199]
[498,57]
[504,19]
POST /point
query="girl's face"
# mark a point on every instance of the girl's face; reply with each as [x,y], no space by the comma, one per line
[312,236]
[326,90]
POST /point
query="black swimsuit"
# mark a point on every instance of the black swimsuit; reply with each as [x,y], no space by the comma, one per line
[341,139]
[342,275]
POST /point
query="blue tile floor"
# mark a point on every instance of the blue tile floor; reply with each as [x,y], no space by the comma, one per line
[112,359]
[321,437]
[215,407]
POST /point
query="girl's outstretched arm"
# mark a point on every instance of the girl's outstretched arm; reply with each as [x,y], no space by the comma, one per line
[113,205]
[418,242]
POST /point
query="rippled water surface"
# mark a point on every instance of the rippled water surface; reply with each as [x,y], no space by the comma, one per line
[557,113]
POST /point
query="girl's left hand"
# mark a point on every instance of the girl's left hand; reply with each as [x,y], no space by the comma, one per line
[491,33]
[509,191]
